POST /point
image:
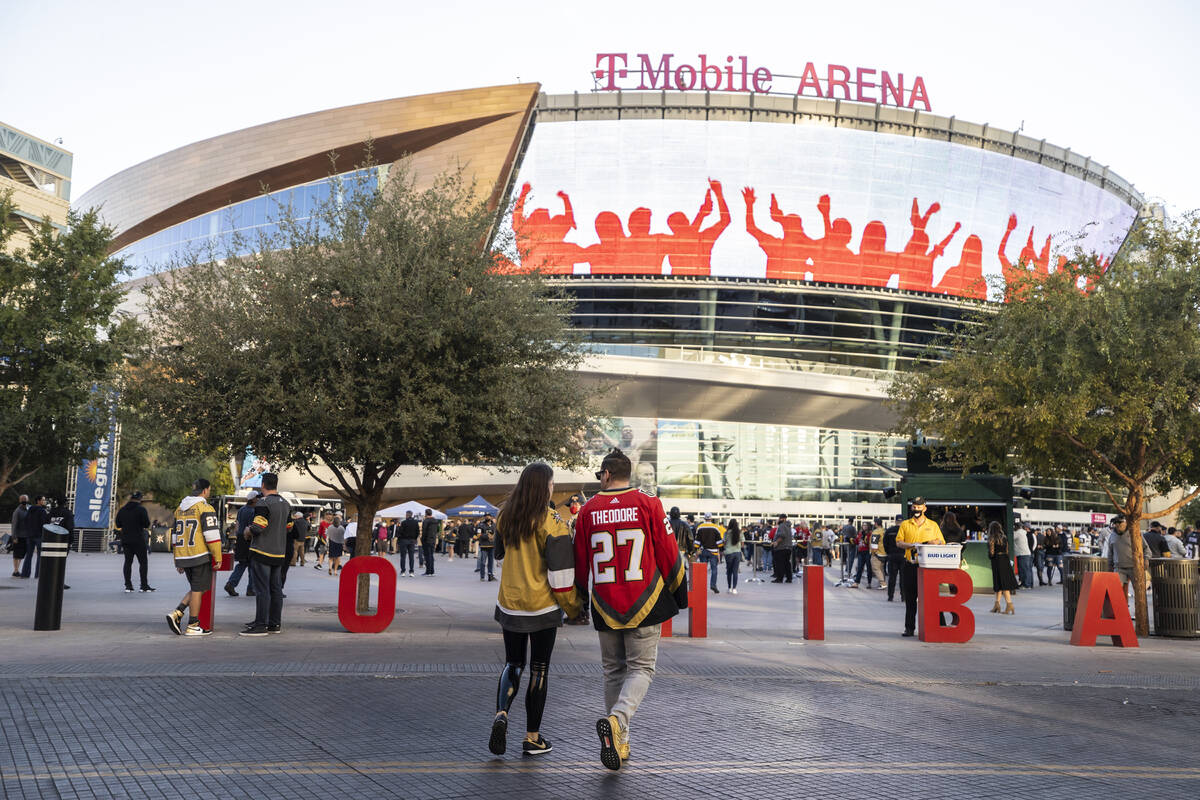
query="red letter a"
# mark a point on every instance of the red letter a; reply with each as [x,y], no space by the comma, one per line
[1101,594]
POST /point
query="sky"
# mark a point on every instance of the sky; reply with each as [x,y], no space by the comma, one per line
[120,81]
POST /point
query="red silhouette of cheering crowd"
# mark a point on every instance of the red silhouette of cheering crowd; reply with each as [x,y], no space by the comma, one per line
[792,254]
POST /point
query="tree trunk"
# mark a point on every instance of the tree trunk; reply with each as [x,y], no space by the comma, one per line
[1133,528]
[367,506]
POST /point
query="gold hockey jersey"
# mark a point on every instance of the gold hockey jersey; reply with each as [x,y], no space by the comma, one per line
[196,537]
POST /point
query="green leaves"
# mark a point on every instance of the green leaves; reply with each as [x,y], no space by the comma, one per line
[61,343]
[1063,382]
[371,335]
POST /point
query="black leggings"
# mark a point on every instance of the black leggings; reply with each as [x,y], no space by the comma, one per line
[541,645]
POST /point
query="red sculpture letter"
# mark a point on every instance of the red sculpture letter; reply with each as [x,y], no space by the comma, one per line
[698,602]
[1102,611]
[348,595]
[930,604]
[208,599]
[814,602]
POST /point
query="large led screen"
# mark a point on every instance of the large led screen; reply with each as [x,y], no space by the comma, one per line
[797,202]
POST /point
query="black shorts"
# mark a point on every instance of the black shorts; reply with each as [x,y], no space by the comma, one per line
[335,549]
[20,547]
[199,577]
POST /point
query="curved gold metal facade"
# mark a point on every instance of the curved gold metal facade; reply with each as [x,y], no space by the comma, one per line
[479,129]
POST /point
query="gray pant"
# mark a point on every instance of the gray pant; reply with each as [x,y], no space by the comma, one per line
[628,658]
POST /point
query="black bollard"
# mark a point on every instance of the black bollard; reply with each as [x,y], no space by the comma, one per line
[55,542]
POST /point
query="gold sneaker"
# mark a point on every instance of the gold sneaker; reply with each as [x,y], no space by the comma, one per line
[609,731]
[623,750]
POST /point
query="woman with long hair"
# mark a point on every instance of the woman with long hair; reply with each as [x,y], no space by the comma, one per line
[952,531]
[732,550]
[537,585]
[1004,583]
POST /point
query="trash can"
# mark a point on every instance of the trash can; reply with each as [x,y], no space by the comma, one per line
[1072,583]
[160,539]
[1176,584]
[56,541]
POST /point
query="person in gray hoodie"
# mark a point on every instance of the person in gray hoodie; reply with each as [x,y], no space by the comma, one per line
[781,551]
[268,549]
[1118,546]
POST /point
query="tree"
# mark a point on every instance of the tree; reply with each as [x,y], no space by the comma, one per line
[61,343]
[162,464]
[1063,382]
[374,334]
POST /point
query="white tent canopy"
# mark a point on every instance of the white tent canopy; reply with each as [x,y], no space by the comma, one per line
[397,512]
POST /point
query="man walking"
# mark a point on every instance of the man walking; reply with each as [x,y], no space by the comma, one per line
[781,551]
[429,534]
[406,542]
[711,538]
[196,545]
[241,547]
[20,541]
[894,557]
[486,537]
[134,524]
[35,517]
[623,545]
[1024,556]
[268,543]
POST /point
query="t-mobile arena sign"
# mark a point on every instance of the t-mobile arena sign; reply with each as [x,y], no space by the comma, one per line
[617,71]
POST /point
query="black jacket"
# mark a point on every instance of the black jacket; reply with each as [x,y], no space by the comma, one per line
[429,531]
[241,545]
[134,521]
[409,529]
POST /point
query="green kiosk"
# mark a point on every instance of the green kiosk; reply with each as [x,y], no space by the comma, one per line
[976,498]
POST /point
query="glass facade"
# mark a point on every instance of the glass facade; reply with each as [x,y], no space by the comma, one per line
[237,228]
[778,325]
[716,460]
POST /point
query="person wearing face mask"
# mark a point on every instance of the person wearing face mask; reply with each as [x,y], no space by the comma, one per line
[918,529]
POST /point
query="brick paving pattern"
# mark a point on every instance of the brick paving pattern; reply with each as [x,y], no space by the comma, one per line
[96,710]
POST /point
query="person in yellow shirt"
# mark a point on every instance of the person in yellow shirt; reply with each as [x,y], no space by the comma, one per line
[917,529]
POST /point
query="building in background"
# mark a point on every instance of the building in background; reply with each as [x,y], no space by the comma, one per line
[749,271]
[39,176]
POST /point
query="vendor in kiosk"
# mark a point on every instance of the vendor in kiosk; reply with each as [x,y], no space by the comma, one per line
[917,529]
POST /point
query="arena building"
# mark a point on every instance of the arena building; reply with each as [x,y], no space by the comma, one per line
[37,175]
[748,270]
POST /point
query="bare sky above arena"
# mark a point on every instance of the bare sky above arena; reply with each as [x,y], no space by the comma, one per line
[123,81]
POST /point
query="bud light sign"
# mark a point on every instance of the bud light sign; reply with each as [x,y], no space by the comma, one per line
[94,485]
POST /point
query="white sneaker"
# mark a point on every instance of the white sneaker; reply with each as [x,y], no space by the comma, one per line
[402,573]
[733,591]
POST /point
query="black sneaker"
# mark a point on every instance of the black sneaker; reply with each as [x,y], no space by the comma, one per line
[145,589]
[542,745]
[274,629]
[497,743]
[229,590]
[908,633]
[253,630]
[128,590]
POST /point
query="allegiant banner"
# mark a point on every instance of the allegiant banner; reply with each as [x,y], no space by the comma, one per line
[94,485]
[798,202]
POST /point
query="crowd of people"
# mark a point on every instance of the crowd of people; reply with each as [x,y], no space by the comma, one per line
[617,560]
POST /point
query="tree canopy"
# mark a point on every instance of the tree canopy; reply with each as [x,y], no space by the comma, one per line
[373,333]
[1086,372]
[61,344]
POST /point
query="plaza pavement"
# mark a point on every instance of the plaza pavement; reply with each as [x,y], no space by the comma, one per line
[114,705]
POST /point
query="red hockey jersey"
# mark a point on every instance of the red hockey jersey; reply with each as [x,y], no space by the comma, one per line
[637,575]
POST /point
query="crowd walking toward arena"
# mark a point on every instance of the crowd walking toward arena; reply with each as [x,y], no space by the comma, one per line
[617,560]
